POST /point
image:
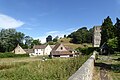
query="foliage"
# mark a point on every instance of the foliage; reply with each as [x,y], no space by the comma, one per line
[9,38]
[55,69]
[117,32]
[65,36]
[82,35]
[49,38]
[55,39]
[112,43]
[88,50]
[51,43]
[28,41]
[35,42]
[11,55]
[107,30]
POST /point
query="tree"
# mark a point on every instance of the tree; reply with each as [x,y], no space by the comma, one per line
[9,38]
[112,43]
[107,30]
[117,32]
[35,42]
[49,38]
[82,35]
[65,36]
[28,41]
[55,39]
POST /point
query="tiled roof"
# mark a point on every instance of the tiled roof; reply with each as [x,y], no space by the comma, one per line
[56,46]
[39,46]
[52,46]
[28,50]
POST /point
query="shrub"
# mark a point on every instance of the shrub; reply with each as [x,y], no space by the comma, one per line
[10,55]
[88,50]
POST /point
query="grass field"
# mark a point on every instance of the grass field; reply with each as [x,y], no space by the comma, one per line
[66,42]
[35,69]
[111,64]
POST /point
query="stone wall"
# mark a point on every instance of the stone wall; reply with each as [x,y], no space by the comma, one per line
[85,72]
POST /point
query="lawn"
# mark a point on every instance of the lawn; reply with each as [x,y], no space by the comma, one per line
[111,64]
[35,69]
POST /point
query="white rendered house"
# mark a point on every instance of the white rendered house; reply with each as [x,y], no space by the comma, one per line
[41,50]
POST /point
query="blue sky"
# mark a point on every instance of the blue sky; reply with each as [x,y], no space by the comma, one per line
[39,18]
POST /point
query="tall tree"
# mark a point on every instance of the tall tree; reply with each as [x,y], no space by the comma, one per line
[117,32]
[28,41]
[9,38]
[107,30]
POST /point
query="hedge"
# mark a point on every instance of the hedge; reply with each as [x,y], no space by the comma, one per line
[11,55]
[88,50]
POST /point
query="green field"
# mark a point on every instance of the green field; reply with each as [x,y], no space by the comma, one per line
[35,69]
[111,64]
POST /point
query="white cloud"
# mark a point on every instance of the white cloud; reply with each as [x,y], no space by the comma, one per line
[52,32]
[9,22]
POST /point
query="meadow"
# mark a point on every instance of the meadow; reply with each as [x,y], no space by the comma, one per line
[36,69]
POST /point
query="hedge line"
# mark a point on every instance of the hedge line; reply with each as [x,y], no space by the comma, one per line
[11,55]
[88,50]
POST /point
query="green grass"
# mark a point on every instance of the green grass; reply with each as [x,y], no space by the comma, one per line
[52,69]
[112,64]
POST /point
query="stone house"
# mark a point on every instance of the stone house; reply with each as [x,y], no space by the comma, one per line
[20,50]
[61,51]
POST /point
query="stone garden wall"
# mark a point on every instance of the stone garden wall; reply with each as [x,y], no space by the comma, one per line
[85,72]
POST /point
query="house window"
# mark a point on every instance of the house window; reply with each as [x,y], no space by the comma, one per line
[61,48]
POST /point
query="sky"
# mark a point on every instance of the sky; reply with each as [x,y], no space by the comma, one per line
[40,18]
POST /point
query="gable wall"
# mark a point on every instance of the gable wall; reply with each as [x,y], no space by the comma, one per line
[47,51]
[19,50]
[61,46]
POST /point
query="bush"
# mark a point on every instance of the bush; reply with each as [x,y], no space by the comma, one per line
[88,50]
[10,55]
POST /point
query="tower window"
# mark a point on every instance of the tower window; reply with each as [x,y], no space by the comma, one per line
[61,48]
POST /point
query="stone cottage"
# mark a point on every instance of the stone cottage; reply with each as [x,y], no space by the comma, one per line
[61,51]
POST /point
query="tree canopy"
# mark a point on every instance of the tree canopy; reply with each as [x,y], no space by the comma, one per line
[82,35]
[107,30]
[9,38]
